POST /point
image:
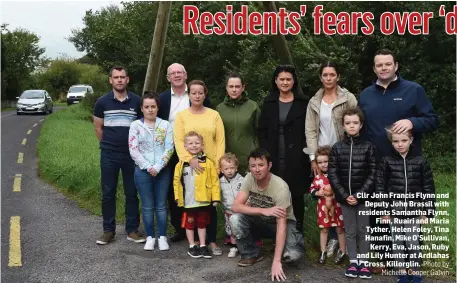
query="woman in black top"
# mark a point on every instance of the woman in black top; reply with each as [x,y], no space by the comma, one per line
[281,131]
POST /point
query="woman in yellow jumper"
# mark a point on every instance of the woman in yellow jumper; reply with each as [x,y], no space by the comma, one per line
[208,123]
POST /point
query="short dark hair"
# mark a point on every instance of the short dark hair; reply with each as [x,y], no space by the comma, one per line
[385,51]
[351,112]
[329,64]
[234,75]
[259,153]
[287,69]
[150,95]
[117,68]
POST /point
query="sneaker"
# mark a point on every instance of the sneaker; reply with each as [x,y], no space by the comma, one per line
[216,251]
[135,237]
[194,252]
[250,261]
[150,242]
[204,251]
[402,278]
[364,272]
[339,257]
[416,279]
[163,244]
[233,252]
[332,246]
[352,271]
[322,258]
[106,238]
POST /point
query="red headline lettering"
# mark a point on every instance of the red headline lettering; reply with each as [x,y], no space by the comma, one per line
[328,23]
[241,23]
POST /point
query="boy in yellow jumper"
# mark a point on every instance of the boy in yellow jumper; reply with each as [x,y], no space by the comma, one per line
[195,192]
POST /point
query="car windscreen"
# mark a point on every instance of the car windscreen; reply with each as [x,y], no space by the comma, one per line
[32,94]
[77,89]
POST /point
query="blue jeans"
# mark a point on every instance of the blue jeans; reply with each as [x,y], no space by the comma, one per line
[153,192]
[110,163]
[244,225]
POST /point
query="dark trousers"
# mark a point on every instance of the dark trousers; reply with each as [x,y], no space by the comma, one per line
[110,163]
[298,204]
[175,211]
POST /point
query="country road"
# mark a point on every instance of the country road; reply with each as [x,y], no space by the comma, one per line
[47,238]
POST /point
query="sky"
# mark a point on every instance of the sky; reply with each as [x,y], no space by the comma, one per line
[52,21]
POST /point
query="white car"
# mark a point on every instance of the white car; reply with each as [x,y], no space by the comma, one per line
[76,93]
[34,101]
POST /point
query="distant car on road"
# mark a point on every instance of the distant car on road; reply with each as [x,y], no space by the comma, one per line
[34,101]
[76,93]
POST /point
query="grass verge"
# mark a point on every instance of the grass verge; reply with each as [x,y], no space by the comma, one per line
[69,158]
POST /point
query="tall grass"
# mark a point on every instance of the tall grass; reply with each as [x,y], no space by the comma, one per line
[70,158]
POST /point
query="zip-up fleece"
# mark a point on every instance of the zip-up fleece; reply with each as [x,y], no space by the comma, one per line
[207,187]
[344,100]
[352,168]
[229,190]
[402,99]
[407,184]
[151,150]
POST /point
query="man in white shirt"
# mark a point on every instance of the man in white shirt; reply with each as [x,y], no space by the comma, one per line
[172,101]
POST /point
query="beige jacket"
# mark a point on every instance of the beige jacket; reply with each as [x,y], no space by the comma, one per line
[344,100]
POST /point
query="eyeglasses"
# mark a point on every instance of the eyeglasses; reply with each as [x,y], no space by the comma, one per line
[180,73]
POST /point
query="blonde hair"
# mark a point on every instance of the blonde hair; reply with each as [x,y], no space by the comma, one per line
[389,133]
[228,157]
[193,134]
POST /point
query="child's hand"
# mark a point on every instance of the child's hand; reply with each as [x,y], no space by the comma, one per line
[215,203]
[351,200]
[328,190]
[320,193]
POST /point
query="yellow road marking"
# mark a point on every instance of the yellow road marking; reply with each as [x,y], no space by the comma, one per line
[20,157]
[28,133]
[24,141]
[17,183]
[15,257]
[34,125]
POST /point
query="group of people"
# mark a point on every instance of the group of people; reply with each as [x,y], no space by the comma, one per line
[259,163]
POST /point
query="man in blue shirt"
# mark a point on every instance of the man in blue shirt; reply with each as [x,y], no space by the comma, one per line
[113,114]
[392,100]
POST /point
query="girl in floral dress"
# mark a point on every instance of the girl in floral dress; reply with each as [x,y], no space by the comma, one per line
[326,218]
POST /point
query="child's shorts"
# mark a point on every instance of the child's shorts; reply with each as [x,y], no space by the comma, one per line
[200,216]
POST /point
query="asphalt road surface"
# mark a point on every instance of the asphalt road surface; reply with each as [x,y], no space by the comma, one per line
[47,238]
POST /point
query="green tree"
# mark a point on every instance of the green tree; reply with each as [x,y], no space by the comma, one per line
[20,56]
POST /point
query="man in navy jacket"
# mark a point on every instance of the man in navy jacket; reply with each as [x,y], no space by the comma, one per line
[392,100]
[172,101]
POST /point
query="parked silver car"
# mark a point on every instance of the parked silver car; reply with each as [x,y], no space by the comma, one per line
[34,101]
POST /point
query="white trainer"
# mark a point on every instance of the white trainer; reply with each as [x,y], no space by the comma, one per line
[163,244]
[233,252]
[150,242]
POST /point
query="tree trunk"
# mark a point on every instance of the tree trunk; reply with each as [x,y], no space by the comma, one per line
[157,47]
[280,44]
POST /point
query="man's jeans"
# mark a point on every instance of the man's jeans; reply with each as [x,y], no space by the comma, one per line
[111,162]
[153,192]
[243,225]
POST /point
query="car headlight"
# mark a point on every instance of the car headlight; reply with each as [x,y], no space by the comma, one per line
[39,105]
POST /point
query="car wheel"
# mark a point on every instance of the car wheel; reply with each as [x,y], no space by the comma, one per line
[50,111]
[18,113]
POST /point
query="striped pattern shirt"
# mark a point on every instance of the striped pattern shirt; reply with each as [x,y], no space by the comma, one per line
[117,117]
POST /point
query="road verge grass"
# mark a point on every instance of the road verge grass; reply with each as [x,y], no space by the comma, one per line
[69,158]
